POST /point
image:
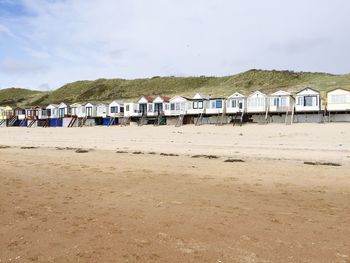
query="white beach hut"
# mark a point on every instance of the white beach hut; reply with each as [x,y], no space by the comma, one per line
[281,102]
[216,106]
[308,100]
[20,113]
[236,103]
[63,110]
[178,106]
[52,111]
[131,109]
[146,105]
[91,110]
[160,105]
[43,113]
[102,110]
[116,109]
[199,104]
[77,110]
[338,100]
[257,102]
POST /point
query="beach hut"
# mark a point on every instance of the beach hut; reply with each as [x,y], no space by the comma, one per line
[178,106]
[131,110]
[2,117]
[236,103]
[281,102]
[43,117]
[20,115]
[257,102]
[215,106]
[8,112]
[54,119]
[160,105]
[116,109]
[199,104]
[102,110]
[64,110]
[32,116]
[338,100]
[52,111]
[31,113]
[91,110]
[77,110]
[8,116]
[308,100]
[176,112]
[146,105]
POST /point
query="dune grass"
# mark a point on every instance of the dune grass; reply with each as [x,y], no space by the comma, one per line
[106,90]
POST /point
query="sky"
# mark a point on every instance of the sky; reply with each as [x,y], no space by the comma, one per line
[45,44]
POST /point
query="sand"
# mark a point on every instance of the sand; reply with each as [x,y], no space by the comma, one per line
[121,199]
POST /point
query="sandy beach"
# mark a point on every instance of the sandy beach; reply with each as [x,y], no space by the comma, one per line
[256,193]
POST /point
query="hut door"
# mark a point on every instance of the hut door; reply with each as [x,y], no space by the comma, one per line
[143,108]
[158,107]
[89,111]
[61,112]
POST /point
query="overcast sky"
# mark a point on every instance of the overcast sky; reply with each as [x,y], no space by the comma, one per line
[47,43]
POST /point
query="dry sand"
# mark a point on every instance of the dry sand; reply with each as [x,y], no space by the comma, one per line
[104,205]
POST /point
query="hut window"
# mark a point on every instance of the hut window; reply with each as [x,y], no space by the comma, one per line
[283,101]
[234,103]
[195,104]
[127,108]
[219,104]
[172,106]
[308,101]
[338,99]
[213,103]
[275,101]
[177,106]
[150,107]
[300,101]
[114,109]
[200,104]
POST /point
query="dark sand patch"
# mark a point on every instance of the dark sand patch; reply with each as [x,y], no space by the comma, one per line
[205,156]
[169,154]
[82,151]
[66,148]
[4,147]
[234,161]
[28,147]
[322,163]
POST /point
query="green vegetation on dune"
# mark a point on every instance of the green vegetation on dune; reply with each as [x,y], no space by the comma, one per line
[247,82]
[20,97]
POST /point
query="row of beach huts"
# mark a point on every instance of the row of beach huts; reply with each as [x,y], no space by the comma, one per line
[279,107]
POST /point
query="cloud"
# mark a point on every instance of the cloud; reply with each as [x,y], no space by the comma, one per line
[299,45]
[58,41]
[5,30]
[14,67]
